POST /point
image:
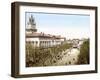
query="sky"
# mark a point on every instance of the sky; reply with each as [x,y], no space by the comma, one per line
[67,25]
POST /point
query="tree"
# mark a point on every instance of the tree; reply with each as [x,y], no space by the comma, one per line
[39,56]
[83,57]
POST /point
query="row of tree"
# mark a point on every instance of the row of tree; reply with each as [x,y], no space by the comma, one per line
[39,56]
[83,57]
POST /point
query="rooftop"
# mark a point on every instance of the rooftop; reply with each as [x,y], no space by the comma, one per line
[43,35]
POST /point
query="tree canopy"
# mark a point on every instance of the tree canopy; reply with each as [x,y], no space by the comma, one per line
[83,57]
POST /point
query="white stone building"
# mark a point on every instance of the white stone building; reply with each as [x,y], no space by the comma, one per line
[41,39]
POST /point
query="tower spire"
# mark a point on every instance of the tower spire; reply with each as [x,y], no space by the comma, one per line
[31,24]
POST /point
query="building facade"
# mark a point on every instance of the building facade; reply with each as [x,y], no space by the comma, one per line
[41,39]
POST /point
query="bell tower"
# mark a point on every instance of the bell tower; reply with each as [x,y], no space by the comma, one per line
[31,25]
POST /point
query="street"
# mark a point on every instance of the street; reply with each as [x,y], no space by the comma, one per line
[69,57]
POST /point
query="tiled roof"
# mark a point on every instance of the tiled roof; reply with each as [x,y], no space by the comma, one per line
[35,34]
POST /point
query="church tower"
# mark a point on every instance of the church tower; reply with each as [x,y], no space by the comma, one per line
[31,25]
